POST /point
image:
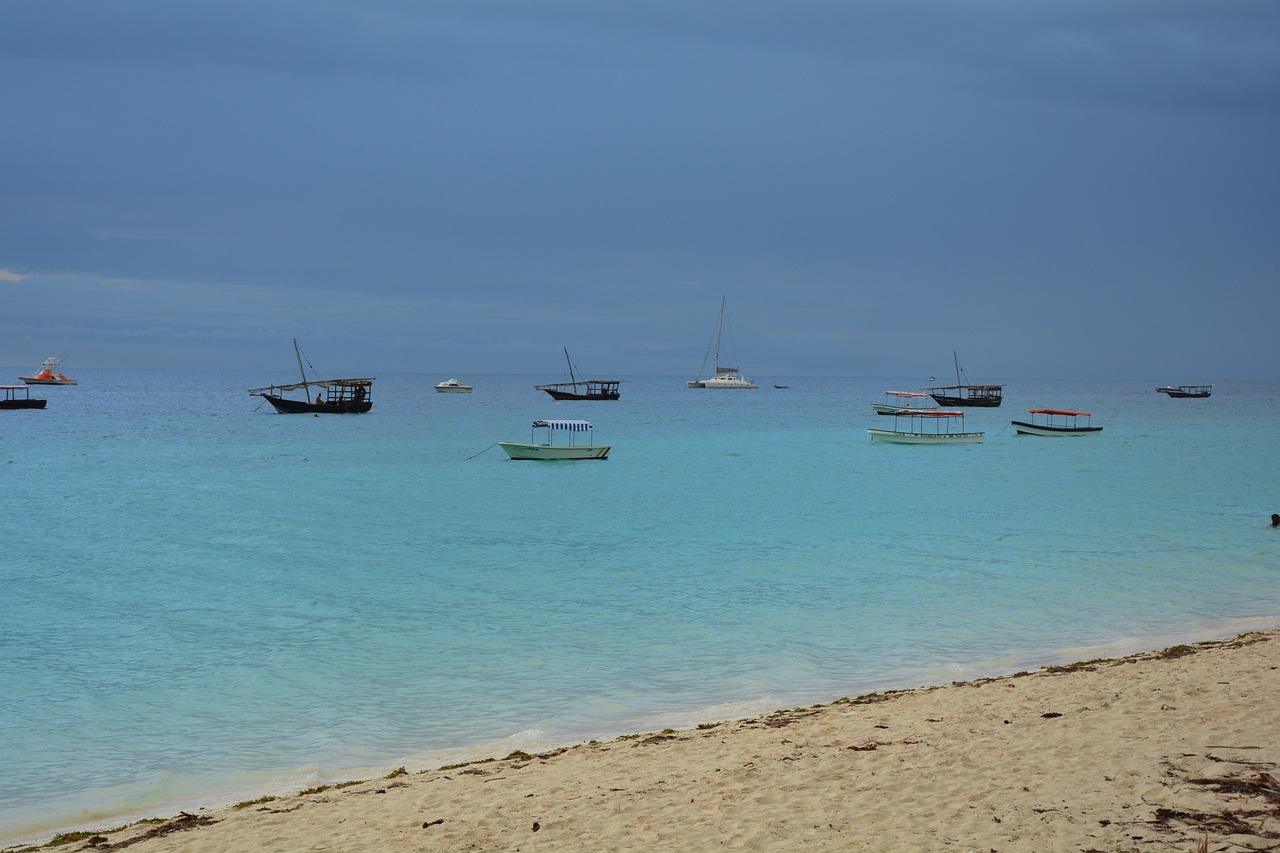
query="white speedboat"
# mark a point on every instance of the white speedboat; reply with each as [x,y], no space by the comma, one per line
[927,426]
[549,450]
[453,386]
[722,377]
[1055,422]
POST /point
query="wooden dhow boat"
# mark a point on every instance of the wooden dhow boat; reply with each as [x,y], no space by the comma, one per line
[581,389]
[964,395]
[332,396]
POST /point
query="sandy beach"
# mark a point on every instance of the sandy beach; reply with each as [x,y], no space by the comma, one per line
[1170,750]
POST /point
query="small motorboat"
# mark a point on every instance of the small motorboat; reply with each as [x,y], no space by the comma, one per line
[926,426]
[453,386]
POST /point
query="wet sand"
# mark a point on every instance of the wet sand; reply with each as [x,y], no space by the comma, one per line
[1157,751]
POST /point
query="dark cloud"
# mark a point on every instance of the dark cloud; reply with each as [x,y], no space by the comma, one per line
[463,172]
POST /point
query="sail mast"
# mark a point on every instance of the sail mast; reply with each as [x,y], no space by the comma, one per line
[956,359]
[569,361]
[306,389]
[719,329]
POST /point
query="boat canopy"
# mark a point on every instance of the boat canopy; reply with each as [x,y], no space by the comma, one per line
[322,383]
[569,426]
[912,394]
[1057,412]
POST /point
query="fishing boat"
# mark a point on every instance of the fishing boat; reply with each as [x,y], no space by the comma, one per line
[453,386]
[965,395]
[581,389]
[1056,422]
[48,374]
[14,400]
[926,426]
[332,396]
[548,450]
[899,402]
[723,377]
[1186,390]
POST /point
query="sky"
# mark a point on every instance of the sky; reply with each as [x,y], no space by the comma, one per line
[1054,189]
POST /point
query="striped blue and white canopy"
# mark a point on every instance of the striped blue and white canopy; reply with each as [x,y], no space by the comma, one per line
[571,426]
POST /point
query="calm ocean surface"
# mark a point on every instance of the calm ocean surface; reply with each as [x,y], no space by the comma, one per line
[205,601]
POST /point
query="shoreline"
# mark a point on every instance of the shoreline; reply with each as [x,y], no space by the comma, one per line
[1107,754]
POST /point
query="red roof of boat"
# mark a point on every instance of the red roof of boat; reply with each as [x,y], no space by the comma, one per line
[1057,412]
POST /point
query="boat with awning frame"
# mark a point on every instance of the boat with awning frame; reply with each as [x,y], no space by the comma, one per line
[905,398]
[1186,391]
[12,399]
[548,450]
[1056,422]
[926,426]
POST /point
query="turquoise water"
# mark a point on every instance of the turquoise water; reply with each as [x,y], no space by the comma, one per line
[206,601]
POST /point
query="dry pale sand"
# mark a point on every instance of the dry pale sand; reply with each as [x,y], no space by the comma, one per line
[1174,750]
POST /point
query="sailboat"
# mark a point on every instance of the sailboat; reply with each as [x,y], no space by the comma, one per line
[48,374]
[344,396]
[960,394]
[724,377]
[581,389]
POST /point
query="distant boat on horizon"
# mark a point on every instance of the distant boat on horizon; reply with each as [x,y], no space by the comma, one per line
[1186,391]
[48,375]
[960,394]
[346,396]
[723,377]
[581,389]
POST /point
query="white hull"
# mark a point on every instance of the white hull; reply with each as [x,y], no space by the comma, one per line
[453,389]
[888,436]
[545,452]
[32,381]
[1024,428]
[728,380]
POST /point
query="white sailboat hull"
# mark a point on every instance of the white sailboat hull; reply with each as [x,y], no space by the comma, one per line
[728,380]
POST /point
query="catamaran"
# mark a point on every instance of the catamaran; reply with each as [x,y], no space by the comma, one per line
[344,396]
[723,377]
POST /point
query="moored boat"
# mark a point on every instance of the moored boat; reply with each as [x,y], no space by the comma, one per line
[581,389]
[332,397]
[48,374]
[453,386]
[723,376]
[926,426]
[15,400]
[964,395]
[1055,422]
[1181,391]
[899,402]
[549,451]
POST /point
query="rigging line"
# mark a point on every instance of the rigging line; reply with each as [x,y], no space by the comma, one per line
[486,450]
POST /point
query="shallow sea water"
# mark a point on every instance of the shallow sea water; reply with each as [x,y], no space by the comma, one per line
[206,601]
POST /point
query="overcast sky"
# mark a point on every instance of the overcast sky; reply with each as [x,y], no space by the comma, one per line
[1056,189]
